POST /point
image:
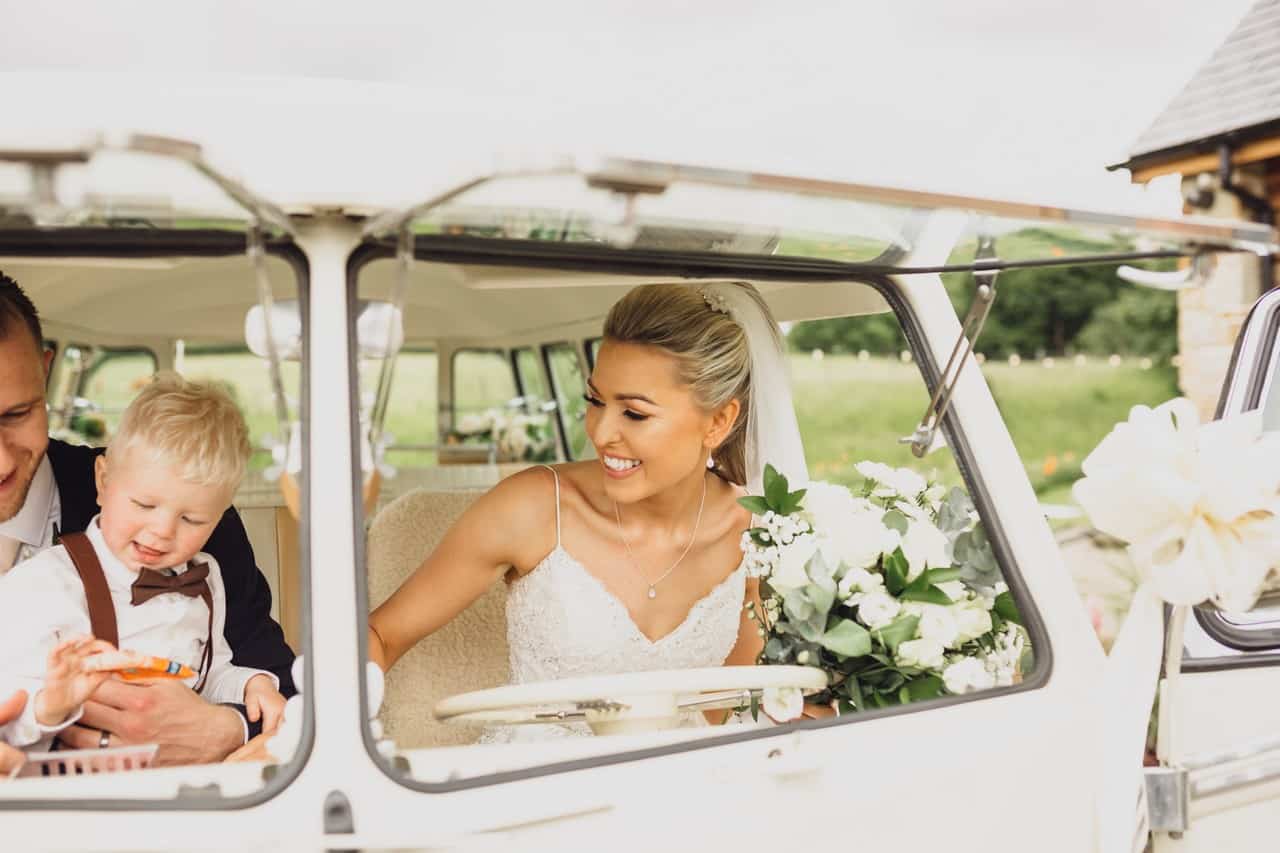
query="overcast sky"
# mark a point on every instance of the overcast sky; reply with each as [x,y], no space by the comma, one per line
[1026,99]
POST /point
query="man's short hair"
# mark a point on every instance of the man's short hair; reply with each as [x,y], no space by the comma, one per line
[193,426]
[16,307]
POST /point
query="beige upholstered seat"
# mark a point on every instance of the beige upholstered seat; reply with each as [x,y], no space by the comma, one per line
[467,654]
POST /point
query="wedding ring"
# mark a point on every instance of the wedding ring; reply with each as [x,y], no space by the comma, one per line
[104,739]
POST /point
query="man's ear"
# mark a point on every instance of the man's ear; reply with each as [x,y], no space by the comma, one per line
[100,475]
[48,364]
[722,422]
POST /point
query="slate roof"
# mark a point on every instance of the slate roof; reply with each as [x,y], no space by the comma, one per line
[1235,94]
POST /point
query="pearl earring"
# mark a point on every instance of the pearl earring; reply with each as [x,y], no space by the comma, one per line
[711,462]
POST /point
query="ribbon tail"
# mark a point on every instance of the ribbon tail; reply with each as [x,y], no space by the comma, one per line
[1129,682]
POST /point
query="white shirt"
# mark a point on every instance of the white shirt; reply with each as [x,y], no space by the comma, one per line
[42,602]
[33,524]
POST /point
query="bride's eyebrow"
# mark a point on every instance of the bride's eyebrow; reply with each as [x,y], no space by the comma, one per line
[642,398]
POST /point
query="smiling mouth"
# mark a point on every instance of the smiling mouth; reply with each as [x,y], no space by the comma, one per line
[148,553]
[618,464]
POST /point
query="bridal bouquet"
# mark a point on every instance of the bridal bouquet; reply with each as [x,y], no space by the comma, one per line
[518,435]
[892,589]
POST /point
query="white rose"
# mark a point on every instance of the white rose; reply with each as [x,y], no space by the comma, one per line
[857,542]
[925,547]
[790,571]
[966,675]
[877,609]
[938,625]
[972,620]
[925,654]
[783,703]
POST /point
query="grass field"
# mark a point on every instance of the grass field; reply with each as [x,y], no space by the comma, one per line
[848,409]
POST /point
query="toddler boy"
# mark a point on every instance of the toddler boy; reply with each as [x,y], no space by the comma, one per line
[136,578]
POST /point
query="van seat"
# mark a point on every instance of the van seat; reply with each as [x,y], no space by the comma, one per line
[469,653]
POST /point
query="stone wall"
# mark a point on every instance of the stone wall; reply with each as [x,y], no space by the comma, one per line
[1210,316]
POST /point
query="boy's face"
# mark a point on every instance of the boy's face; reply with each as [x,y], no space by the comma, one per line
[151,517]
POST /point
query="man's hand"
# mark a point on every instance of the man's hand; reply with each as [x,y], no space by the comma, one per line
[10,758]
[188,729]
[263,701]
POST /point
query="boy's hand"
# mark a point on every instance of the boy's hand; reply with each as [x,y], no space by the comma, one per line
[66,684]
[262,700]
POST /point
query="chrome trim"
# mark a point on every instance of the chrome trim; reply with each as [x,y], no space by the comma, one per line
[1168,802]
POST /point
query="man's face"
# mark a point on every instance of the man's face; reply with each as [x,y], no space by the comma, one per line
[24,423]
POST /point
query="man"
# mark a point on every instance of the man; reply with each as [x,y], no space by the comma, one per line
[47,487]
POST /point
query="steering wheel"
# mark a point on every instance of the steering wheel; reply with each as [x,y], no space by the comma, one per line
[627,702]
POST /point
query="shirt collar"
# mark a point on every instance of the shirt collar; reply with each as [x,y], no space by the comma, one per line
[31,523]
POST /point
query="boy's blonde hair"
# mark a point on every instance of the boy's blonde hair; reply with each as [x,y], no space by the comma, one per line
[194,426]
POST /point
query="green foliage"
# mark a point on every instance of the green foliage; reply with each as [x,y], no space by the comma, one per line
[1138,322]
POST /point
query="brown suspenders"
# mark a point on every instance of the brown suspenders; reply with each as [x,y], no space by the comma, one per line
[102,613]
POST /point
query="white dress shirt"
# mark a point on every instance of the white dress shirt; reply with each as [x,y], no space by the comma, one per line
[33,525]
[42,602]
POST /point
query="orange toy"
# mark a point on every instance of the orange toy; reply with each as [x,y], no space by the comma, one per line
[133,667]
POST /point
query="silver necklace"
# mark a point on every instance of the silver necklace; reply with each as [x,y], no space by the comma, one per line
[653,587]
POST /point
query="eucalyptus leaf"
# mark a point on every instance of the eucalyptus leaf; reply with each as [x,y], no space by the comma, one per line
[895,520]
[954,514]
[848,638]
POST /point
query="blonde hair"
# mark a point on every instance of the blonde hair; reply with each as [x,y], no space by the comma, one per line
[708,344]
[194,426]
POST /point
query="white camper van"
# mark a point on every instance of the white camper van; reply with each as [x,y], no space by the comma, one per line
[360,341]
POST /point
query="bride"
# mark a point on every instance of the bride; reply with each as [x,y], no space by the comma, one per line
[631,561]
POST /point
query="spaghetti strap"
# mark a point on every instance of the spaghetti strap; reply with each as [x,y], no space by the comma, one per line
[556,477]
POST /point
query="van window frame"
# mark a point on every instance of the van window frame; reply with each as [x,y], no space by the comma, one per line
[579,257]
[168,243]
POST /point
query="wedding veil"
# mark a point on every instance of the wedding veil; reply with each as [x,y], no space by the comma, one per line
[773,435]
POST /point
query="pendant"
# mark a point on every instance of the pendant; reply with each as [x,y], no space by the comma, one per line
[653,593]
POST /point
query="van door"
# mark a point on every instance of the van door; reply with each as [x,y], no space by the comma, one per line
[1217,725]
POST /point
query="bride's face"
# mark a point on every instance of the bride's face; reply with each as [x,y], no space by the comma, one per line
[648,430]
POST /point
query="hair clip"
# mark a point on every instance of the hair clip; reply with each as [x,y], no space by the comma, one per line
[716,301]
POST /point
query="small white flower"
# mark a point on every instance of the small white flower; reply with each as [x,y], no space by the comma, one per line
[938,625]
[954,590]
[877,609]
[925,654]
[856,582]
[783,703]
[973,620]
[966,675]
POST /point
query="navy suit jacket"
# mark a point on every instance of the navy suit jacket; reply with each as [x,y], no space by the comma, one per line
[256,640]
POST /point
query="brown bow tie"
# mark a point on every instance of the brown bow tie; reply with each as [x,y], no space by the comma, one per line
[151,583]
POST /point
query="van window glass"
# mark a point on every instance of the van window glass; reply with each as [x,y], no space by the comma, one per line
[570,385]
[852,407]
[111,379]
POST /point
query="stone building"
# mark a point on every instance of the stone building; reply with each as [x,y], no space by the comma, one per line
[1221,134]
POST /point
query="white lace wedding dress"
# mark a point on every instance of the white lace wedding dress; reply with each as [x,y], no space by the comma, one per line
[562,622]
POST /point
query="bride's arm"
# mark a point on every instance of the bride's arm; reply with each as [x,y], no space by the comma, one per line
[512,524]
[747,649]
